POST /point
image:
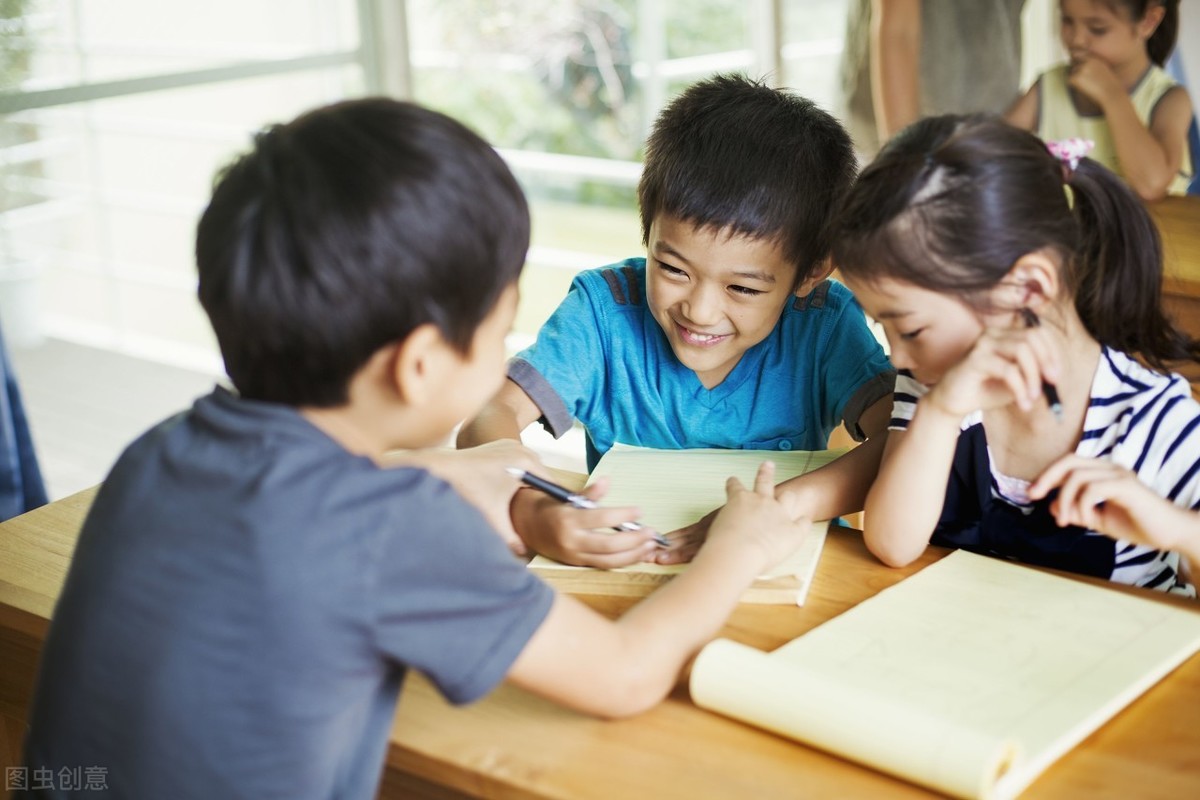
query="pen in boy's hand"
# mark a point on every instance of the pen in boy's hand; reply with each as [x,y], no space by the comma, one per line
[1056,407]
[565,495]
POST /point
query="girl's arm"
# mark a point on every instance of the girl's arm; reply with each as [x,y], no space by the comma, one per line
[1150,156]
[837,488]
[841,486]
[1102,496]
[904,504]
[1023,113]
[1004,367]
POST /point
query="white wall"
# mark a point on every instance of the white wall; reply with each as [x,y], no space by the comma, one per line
[1188,45]
[1040,45]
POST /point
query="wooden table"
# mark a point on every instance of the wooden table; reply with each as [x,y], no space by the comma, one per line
[1178,219]
[515,745]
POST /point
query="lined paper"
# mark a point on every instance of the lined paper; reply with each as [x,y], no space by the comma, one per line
[675,488]
[971,677]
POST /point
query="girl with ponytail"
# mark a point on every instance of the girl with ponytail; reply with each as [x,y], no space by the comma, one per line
[1114,92]
[1020,293]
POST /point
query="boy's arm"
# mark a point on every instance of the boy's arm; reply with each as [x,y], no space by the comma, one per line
[584,661]
[508,413]
[1150,157]
[841,486]
[905,503]
[581,537]
[479,475]
[837,488]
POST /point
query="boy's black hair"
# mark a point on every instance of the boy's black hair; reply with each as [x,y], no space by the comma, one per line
[343,231]
[952,203]
[732,153]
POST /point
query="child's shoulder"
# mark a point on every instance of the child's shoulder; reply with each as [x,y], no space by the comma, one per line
[1121,372]
[226,453]
[1124,387]
[1059,71]
[829,322]
[608,294]
[619,284]
[829,299]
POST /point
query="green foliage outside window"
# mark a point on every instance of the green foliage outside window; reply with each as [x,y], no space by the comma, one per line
[16,45]
[16,49]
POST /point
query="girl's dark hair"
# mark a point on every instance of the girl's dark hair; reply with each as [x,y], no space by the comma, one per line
[342,232]
[952,203]
[1159,45]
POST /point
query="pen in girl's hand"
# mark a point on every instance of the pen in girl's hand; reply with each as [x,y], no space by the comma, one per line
[565,495]
[1056,407]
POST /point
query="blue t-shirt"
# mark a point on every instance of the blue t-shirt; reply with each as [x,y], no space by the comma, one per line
[243,604]
[602,359]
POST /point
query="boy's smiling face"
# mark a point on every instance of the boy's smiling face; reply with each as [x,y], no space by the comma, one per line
[715,295]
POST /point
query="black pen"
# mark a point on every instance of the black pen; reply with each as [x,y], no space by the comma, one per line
[1056,407]
[565,495]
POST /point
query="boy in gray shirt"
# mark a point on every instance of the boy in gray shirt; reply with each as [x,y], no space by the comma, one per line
[254,581]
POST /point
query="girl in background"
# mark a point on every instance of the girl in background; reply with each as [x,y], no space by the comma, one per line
[997,271]
[1115,93]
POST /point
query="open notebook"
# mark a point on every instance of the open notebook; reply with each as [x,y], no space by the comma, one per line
[674,488]
[971,677]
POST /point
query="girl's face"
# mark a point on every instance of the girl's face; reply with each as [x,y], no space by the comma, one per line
[928,332]
[1094,29]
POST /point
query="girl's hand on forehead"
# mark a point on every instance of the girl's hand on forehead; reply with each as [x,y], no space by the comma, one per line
[1005,366]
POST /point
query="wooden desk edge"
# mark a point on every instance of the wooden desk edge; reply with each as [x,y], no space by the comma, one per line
[412,771]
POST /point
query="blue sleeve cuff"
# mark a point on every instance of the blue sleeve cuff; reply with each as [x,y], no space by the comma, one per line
[555,417]
[867,395]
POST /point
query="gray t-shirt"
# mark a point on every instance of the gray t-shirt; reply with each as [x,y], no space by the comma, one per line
[244,601]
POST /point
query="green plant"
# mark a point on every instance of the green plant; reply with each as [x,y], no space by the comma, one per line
[16,44]
[16,50]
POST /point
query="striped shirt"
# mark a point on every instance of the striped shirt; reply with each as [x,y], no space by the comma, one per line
[1142,420]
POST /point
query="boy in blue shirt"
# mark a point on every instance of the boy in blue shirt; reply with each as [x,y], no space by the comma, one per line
[254,581]
[729,334]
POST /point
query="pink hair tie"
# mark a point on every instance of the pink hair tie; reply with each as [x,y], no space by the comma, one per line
[1069,151]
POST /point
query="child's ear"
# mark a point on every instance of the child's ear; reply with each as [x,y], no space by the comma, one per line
[1149,23]
[417,365]
[819,272]
[1033,282]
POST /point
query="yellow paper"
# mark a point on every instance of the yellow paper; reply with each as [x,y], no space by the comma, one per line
[953,673]
[675,488]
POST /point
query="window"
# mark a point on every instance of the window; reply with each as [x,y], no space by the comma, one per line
[116,114]
[568,92]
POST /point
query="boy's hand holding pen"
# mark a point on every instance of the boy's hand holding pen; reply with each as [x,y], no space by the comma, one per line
[575,500]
